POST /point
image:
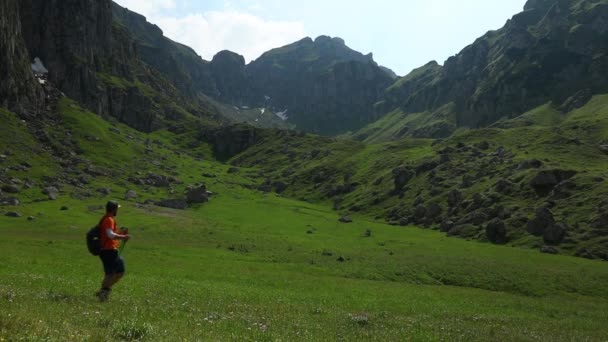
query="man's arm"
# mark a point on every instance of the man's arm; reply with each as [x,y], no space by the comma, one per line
[113,236]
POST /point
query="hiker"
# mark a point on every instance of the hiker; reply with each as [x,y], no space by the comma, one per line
[113,264]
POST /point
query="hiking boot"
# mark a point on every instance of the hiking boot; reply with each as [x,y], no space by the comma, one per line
[103,295]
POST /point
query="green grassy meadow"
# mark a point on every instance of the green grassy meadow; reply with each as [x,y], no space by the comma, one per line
[245,267]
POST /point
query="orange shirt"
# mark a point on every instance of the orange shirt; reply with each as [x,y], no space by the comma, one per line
[108,222]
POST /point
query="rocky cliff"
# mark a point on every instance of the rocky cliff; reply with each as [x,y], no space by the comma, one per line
[326,87]
[18,87]
[553,51]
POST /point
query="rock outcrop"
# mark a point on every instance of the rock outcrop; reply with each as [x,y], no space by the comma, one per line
[18,88]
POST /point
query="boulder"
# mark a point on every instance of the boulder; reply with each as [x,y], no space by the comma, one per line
[279,187]
[10,201]
[198,194]
[13,214]
[530,164]
[554,234]
[433,211]
[454,198]
[104,191]
[446,226]
[549,250]
[496,232]
[11,189]
[346,219]
[504,187]
[131,194]
[543,220]
[604,149]
[419,213]
[546,180]
[179,204]
[402,175]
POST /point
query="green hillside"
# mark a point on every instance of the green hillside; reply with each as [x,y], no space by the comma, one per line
[255,266]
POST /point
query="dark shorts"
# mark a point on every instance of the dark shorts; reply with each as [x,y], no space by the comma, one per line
[112,262]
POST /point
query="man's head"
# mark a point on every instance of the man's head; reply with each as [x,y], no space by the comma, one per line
[112,208]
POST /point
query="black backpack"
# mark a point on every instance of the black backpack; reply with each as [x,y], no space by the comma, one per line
[94,240]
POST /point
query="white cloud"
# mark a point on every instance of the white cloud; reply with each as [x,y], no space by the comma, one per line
[229,29]
[147,7]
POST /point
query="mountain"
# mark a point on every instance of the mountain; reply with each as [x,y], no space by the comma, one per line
[554,51]
[326,87]
[322,85]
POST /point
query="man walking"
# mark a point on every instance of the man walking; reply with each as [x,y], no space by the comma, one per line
[113,264]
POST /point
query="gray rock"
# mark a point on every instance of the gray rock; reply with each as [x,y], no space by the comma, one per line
[11,189]
[546,180]
[454,198]
[543,220]
[433,211]
[530,164]
[604,149]
[131,194]
[402,175]
[496,232]
[10,201]
[197,194]
[554,234]
[13,214]
[179,204]
[549,250]
[346,219]
[104,191]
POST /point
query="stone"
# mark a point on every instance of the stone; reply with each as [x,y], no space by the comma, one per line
[530,164]
[546,180]
[179,204]
[13,214]
[446,226]
[554,234]
[496,232]
[604,149]
[504,187]
[549,250]
[104,191]
[31,218]
[346,219]
[197,194]
[11,189]
[454,198]
[64,208]
[279,187]
[433,211]
[10,201]
[131,194]
[209,175]
[538,225]
[402,175]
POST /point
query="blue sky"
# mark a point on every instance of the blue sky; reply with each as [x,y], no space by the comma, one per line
[401,34]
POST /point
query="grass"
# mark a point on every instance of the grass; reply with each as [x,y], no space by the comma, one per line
[208,274]
[250,266]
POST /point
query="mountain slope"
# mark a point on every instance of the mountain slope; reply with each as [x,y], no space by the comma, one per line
[553,51]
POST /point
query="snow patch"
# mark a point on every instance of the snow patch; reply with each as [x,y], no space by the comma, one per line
[282,115]
[262,111]
[38,67]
